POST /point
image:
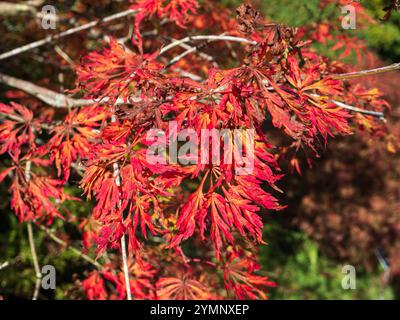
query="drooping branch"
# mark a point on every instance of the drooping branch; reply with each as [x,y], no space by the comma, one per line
[68,32]
[363,73]
[52,98]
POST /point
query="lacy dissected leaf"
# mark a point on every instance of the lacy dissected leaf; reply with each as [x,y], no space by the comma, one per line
[115,73]
[240,278]
[73,138]
[98,284]
[184,288]
[34,196]
[127,189]
[17,127]
[177,11]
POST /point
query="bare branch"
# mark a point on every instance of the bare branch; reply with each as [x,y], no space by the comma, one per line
[342,105]
[190,75]
[68,32]
[191,49]
[38,274]
[50,97]
[123,240]
[126,269]
[73,249]
[206,37]
[31,240]
[377,114]
[65,56]
[9,263]
[181,56]
[363,73]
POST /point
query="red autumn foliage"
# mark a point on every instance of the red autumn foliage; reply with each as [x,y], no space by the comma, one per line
[269,81]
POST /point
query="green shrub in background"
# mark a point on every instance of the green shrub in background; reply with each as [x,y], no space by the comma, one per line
[383,37]
[17,279]
[302,272]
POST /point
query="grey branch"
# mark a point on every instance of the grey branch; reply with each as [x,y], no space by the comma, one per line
[208,38]
[377,114]
[38,274]
[342,105]
[190,49]
[31,240]
[68,32]
[52,98]
[370,72]
[117,177]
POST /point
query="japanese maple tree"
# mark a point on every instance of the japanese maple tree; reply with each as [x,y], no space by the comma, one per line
[185,230]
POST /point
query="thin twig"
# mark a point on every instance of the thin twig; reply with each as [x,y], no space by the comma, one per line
[342,105]
[126,269]
[117,177]
[363,73]
[73,249]
[192,49]
[68,32]
[65,56]
[206,37]
[8,263]
[38,274]
[377,114]
[189,50]
[190,75]
[4,264]
[181,56]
